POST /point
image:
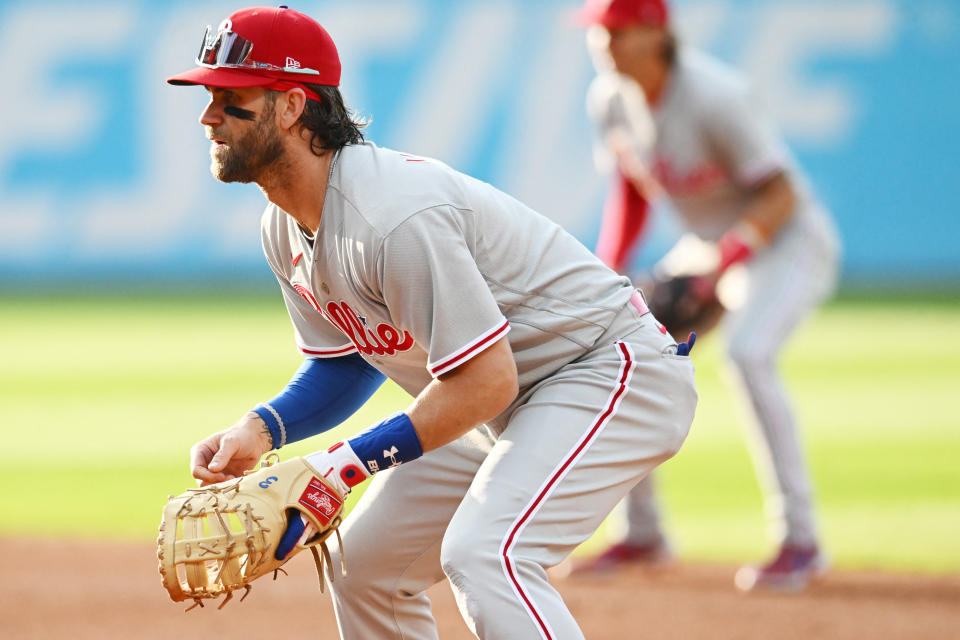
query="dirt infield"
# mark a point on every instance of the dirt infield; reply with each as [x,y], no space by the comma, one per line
[53,589]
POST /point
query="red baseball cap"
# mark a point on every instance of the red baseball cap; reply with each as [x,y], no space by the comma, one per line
[616,14]
[260,46]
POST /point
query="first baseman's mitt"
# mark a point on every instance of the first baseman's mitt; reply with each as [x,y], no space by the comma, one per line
[683,304]
[216,539]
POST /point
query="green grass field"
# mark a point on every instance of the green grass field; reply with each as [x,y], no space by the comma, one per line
[103,396]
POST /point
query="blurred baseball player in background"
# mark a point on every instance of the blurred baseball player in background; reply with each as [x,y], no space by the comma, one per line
[543,388]
[703,143]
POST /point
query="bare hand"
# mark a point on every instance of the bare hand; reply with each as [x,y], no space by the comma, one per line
[227,454]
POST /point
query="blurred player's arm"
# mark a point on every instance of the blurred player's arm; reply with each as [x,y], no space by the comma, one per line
[771,205]
[756,157]
[626,136]
[632,163]
[625,215]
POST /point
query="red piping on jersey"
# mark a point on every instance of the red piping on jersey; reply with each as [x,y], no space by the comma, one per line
[455,359]
[328,353]
[626,369]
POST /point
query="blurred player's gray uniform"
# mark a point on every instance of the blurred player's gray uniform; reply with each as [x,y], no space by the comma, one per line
[419,268]
[709,147]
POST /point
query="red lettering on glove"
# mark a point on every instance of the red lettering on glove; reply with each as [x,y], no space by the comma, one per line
[320,501]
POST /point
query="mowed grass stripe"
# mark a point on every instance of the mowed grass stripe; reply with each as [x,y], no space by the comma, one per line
[103,397]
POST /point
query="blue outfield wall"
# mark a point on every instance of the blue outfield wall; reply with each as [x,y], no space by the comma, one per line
[104,169]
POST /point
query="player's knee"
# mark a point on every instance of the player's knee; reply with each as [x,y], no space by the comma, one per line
[464,555]
[747,356]
[455,555]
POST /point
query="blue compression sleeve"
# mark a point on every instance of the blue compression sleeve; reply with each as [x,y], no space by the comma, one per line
[320,395]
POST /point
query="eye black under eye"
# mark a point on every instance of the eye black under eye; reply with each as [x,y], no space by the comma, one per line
[239,113]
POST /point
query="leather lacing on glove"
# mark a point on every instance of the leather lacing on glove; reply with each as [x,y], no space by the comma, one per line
[221,537]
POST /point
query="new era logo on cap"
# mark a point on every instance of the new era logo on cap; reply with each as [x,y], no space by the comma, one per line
[291,63]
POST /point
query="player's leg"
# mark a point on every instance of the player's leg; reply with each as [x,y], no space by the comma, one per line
[567,456]
[642,515]
[636,528]
[785,284]
[637,521]
[392,539]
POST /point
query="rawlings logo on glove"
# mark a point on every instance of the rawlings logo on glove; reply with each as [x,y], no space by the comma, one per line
[217,539]
[321,501]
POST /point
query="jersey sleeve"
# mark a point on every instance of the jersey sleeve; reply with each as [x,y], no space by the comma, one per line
[742,136]
[314,335]
[433,287]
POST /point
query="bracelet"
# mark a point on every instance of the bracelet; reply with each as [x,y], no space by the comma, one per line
[278,432]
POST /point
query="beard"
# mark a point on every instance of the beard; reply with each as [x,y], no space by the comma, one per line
[252,153]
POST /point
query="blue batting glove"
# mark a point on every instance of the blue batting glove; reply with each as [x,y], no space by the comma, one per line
[294,530]
[684,348]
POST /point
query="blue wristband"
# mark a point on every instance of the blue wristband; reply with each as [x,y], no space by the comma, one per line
[320,395]
[387,444]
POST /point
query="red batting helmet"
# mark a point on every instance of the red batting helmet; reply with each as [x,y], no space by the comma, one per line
[273,47]
[616,14]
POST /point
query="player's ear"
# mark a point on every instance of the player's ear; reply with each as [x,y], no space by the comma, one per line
[289,107]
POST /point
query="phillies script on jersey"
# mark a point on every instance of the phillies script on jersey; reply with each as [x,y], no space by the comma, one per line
[386,340]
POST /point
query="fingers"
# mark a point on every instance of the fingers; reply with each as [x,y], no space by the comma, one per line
[224,454]
[227,454]
[308,532]
[203,455]
[206,477]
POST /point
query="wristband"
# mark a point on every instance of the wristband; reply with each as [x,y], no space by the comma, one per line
[738,245]
[387,444]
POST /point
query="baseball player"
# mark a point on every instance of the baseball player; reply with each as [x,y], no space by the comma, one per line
[677,122]
[543,388]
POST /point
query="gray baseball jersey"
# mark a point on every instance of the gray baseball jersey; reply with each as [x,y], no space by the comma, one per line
[711,144]
[709,147]
[419,268]
[427,269]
